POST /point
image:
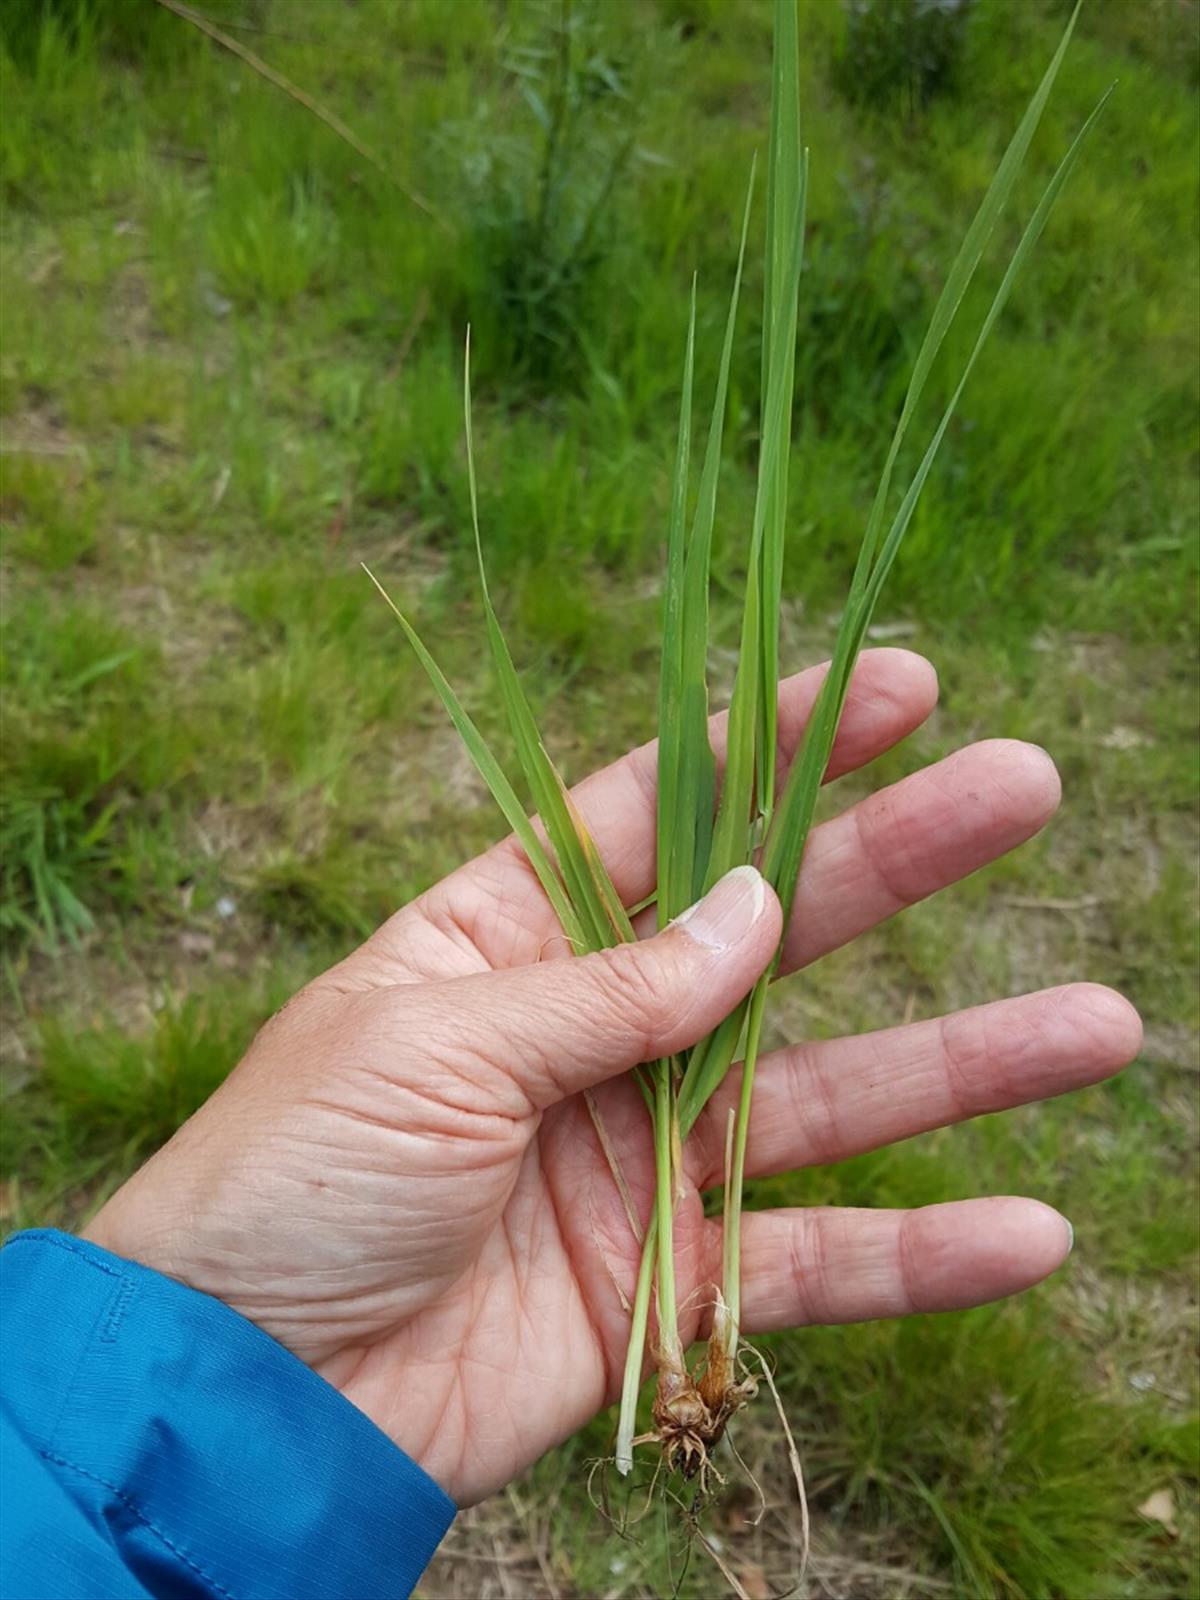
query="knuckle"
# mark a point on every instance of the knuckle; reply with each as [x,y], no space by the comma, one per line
[635,992]
[964,1050]
[909,1260]
[815,1106]
[808,1265]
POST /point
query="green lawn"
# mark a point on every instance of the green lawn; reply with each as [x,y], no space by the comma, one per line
[231,369]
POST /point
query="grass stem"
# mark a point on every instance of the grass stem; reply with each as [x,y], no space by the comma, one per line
[635,1354]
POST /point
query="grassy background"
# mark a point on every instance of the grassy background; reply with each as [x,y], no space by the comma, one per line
[230,369]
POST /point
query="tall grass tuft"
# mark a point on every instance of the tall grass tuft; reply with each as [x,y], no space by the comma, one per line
[906,49]
[703,833]
[540,220]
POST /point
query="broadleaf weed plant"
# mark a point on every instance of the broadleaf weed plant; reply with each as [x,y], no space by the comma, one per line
[704,831]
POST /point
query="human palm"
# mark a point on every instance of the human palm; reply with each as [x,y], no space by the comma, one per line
[405,1181]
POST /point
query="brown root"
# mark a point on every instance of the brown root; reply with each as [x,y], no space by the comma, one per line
[692,1410]
[691,1413]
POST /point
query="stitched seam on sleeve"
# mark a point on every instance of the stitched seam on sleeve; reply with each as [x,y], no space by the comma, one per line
[85,1346]
[118,1305]
[131,1505]
[70,1249]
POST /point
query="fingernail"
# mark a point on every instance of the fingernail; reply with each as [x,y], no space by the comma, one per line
[1070,1236]
[728,911]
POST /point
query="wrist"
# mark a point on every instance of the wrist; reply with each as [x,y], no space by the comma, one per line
[128,1230]
[147,1221]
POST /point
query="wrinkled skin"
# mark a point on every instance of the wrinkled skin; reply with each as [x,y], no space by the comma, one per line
[402,1183]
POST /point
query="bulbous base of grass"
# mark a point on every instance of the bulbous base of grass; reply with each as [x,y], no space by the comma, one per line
[692,1409]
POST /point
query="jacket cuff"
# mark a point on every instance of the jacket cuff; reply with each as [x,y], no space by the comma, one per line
[219,1444]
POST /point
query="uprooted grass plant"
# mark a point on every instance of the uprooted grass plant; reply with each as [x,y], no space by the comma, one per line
[704,832]
[188,461]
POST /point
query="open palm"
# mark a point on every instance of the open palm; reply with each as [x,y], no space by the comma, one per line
[403,1181]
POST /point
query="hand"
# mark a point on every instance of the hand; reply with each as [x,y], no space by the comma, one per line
[402,1181]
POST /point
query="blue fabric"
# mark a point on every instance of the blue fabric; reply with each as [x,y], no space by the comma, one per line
[155,1443]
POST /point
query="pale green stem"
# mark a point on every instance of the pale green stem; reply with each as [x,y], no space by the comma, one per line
[658,1245]
[655,1246]
[664,1152]
[731,1289]
[635,1356]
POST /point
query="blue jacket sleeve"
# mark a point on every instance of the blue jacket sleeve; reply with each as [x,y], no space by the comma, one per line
[156,1444]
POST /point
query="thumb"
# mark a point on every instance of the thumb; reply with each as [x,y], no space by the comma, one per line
[562,1026]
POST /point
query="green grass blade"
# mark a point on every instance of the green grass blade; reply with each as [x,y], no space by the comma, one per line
[709,1062]
[597,905]
[785,843]
[697,782]
[785,846]
[1033,232]
[787,172]
[493,775]
[675,843]
[784,154]
[957,282]
[686,788]
[616,917]
[732,842]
